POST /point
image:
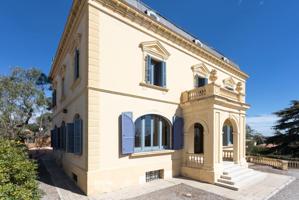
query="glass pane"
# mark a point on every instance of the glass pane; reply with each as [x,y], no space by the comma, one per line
[138,133]
[156,131]
[147,134]
[224,138]
[231,135]
[165,134]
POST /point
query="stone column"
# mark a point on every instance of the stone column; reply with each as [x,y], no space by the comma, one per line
[236,147]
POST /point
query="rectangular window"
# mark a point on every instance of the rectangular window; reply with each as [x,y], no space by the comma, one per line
[155,72]
[77,64]
[200,81]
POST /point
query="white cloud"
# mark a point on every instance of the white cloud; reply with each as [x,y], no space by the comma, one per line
[262,123]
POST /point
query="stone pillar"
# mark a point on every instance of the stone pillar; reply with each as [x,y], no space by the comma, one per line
[236,147]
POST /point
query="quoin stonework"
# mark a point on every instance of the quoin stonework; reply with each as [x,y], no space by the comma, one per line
[137,99]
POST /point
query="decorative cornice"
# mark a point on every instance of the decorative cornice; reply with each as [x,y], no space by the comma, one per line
[67,33]
[122,8]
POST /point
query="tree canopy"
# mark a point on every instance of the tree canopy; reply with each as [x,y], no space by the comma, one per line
[23,99]
[287,130]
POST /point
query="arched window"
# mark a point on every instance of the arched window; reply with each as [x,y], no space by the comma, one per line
[227,134]
[152,132]
[198,138]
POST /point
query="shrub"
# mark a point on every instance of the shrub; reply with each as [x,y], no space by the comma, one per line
[17,173]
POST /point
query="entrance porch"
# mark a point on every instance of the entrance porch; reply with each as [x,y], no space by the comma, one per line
[214,133]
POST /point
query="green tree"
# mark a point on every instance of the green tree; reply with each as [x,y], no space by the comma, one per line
[286,136]
[23,98]
[17,172]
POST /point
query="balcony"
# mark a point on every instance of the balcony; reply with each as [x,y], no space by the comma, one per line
[212,90]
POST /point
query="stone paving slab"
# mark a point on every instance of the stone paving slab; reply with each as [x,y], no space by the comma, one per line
[61,186]
[65,187]
[180,192]
[262,190]
[291,191]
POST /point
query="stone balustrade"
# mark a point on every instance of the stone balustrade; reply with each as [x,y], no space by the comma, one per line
[228,155]
[293,164]
[209,90]
[279,164]
[194,160]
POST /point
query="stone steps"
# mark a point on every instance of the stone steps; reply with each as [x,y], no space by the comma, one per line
[234,176]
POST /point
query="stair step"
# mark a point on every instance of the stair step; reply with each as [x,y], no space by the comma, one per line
[232,169]
[235,176]
[232,187]
[237,179]
[227,175]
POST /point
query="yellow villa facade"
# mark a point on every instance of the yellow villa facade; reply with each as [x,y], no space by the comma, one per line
[136,99]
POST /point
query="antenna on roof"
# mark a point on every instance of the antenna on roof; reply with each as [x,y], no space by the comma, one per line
[152,14]
[225,59]
[198,42]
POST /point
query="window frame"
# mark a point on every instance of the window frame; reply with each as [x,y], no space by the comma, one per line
[163,73]
[196,80]
[154,120]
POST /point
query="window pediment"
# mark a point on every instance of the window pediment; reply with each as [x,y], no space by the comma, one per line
[229,83]
[201,70]
[155,48]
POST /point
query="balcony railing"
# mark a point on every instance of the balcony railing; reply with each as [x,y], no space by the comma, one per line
[211,90]
[194,160]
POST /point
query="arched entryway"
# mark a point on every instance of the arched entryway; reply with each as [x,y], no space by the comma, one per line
[198,138]
[230,141]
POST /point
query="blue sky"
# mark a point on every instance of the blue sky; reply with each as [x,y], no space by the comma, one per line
[262,36]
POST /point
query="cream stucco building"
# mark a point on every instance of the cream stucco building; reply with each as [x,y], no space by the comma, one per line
[136,99]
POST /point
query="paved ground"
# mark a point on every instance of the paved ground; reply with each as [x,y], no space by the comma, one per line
[56,185]
[291,191]
[180,192]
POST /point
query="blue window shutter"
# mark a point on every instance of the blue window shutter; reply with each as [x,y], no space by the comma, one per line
[64,137]
[149,70]
[70,139]
[178,133]
[127,132]
[78,137]
[56,138]
[52,138]
[163,74]
[59,144]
